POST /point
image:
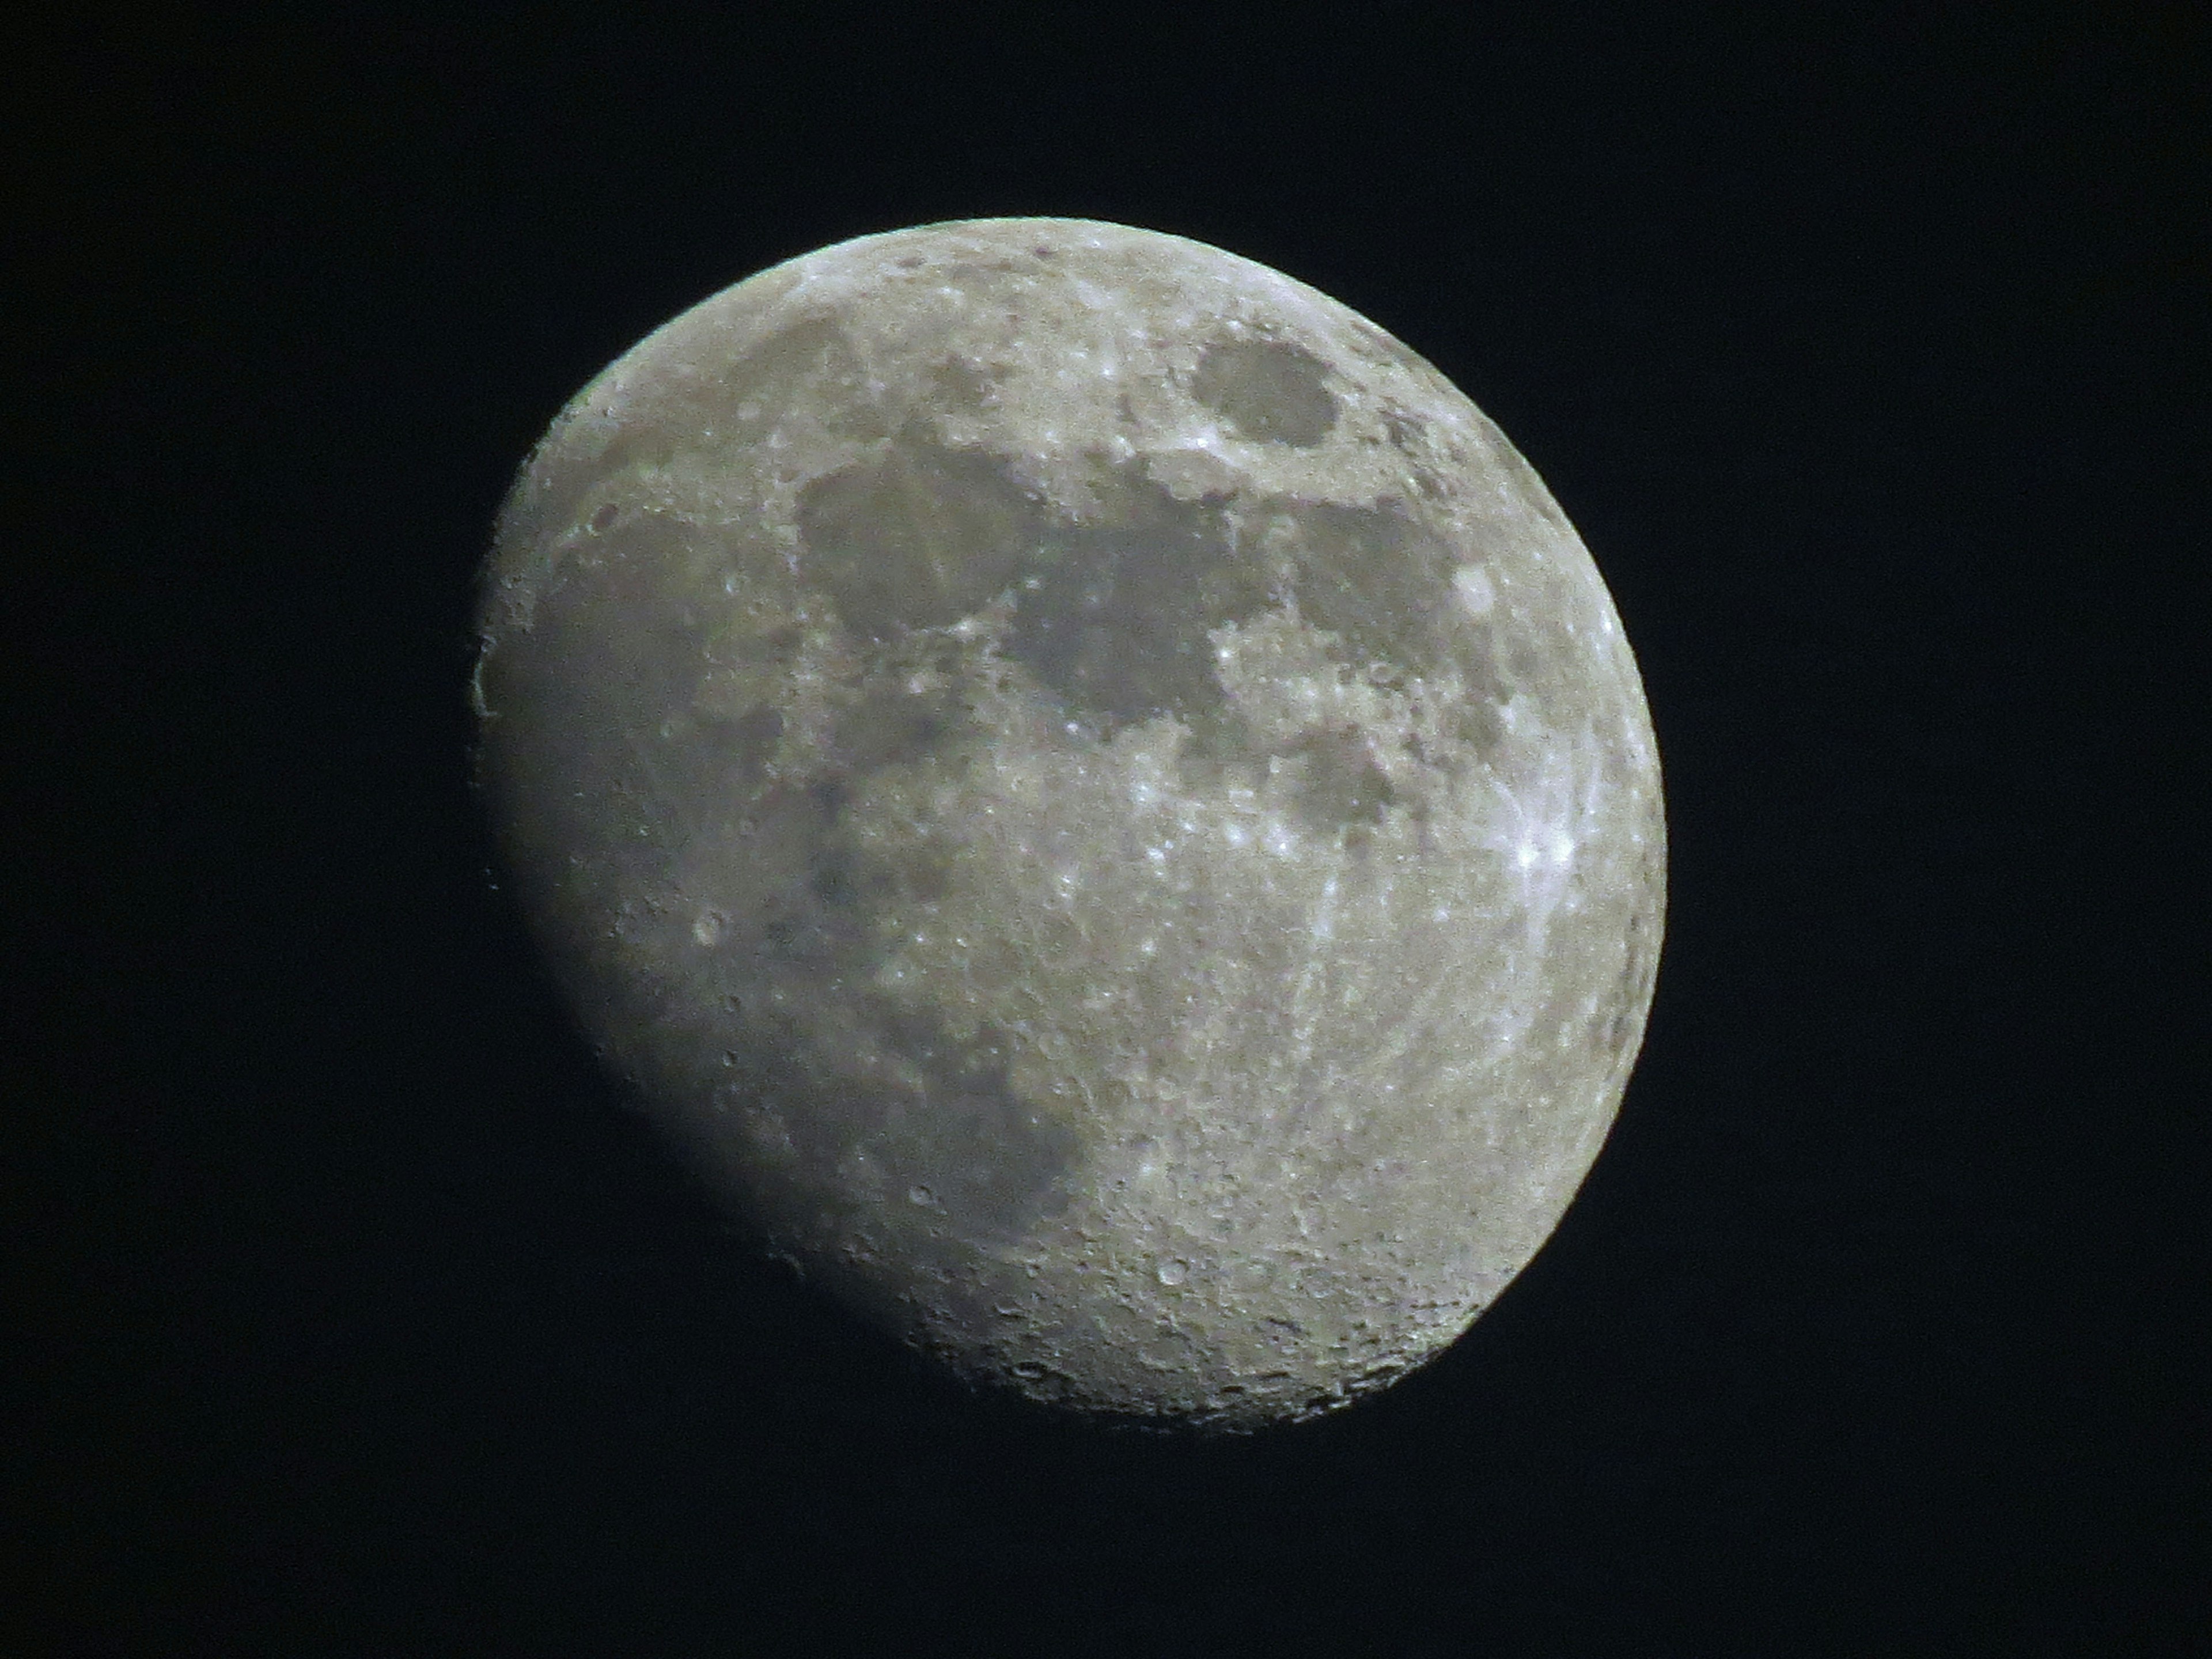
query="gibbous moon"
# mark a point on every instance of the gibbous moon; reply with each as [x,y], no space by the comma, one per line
[1096,792]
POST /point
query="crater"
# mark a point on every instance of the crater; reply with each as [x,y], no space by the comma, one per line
[1270,390]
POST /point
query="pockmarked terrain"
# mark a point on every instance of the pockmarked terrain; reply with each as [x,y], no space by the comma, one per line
[1097,793]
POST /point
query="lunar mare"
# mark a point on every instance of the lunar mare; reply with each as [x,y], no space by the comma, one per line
[1097,794]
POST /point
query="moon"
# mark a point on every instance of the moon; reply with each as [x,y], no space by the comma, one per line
[1098,797]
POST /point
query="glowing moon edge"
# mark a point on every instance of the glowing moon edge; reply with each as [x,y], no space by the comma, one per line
[1096,793]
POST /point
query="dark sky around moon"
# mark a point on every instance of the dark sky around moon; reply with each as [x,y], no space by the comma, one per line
[344,1313]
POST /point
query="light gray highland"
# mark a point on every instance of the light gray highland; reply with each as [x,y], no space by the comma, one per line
[1097,793]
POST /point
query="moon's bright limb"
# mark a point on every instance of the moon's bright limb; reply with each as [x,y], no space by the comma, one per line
[1097,791]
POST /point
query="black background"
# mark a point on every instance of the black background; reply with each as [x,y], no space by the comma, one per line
[349,1314]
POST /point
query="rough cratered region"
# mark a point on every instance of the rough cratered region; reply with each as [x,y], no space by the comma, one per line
[1097,793]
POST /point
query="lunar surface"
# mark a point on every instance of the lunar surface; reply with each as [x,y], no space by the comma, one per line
[1096,792]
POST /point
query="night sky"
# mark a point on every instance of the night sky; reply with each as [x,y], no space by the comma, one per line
[348,1312]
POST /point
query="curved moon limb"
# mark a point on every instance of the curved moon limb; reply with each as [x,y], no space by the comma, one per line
[1099,796]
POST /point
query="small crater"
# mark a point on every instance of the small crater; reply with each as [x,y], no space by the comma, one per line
[605,516]
[1477,592]
[1270,390]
